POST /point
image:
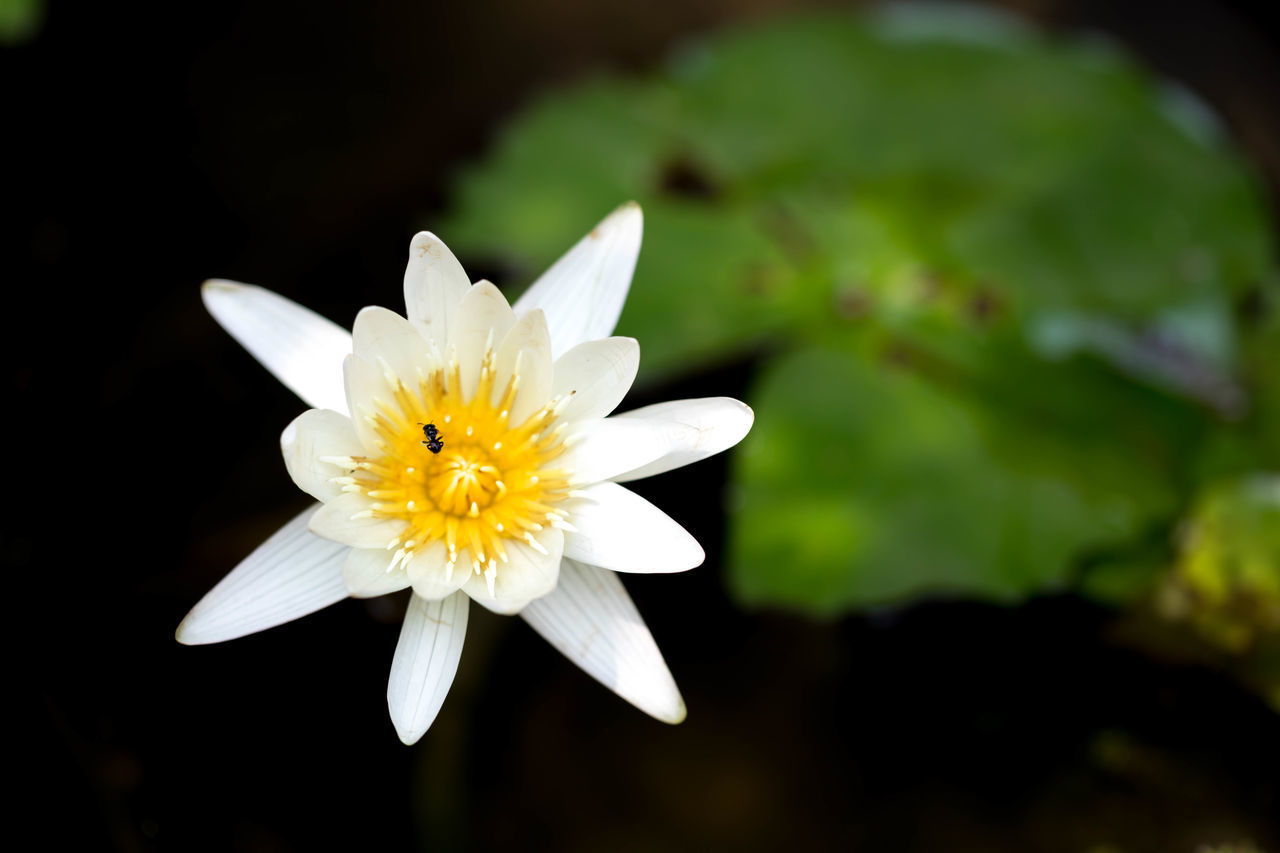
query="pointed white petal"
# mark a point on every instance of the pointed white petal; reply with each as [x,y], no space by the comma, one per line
[590,619]
[366,576]
[582,293]
[527,575]
[302,349]
[434,282]
[483,319]
[619,530]
[595,376]
[312,436]
[601,450]
[368,393]
[430,576]
[383,337]
[342,520]
[425,663]
[290,575]
[702,428]
[528,343]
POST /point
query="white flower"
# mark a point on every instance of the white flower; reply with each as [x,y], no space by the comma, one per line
[465,452]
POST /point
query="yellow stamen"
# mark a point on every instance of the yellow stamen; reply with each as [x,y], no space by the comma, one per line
[492,484]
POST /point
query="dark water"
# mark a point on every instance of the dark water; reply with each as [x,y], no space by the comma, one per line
[299,145]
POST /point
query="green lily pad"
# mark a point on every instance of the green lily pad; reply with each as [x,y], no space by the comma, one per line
[1000,274]
[866,484]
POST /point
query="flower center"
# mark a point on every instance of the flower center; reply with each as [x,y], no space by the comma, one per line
[457,471]
[467,477]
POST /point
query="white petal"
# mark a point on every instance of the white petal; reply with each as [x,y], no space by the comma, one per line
[302,349]
[383,337]
[582,293]
[368,392]
[601,450]
[290,575]
[595,376]
[309,438]
[428,573]
[529,344]
[619,530]
[366,576]
[528,574]
[591,620]
[342,520]
[482,320]
[434,281]
[707,426]
[425,663]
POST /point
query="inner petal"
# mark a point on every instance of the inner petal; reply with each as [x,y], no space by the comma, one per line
[456,470]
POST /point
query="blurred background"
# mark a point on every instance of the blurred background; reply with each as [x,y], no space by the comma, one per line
[997,570]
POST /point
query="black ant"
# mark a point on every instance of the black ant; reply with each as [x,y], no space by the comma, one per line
[435,438]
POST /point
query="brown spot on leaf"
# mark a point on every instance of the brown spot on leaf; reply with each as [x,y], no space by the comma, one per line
[791,235]
[984,306]
[1251,308]
[931,285]
[852,302]
[680,178]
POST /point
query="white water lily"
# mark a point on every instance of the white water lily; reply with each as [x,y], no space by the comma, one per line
[467,452]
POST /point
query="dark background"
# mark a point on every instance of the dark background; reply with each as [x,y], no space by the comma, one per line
[299,145]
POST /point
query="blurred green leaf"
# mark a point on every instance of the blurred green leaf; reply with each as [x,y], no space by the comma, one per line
[1054,176]
[1227,577]
[1048,246]
[1215,600]
[20,20]
[863,483]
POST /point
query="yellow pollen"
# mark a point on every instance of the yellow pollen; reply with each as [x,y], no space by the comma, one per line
[489,484]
